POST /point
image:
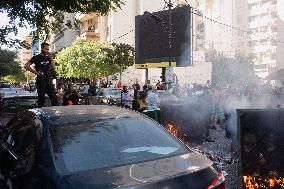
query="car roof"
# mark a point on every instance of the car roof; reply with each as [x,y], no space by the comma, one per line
[110,89]
[79,113]
[20,95]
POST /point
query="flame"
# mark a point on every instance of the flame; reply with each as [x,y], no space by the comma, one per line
[177,133]
[251,182]
[172,129]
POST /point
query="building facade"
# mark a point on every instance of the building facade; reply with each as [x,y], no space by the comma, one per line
[67,36]
[93,27]
[262,43]
[26,54]
[122,29]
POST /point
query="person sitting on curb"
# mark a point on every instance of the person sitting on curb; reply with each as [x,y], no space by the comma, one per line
[71,96]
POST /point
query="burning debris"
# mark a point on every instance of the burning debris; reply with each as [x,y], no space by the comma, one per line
[177,133]
[219,151]
[251,182]
[262,148]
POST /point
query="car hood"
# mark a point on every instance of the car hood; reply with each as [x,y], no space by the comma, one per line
[139,174]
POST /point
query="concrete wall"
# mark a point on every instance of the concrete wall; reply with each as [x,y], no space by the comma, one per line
[217,36]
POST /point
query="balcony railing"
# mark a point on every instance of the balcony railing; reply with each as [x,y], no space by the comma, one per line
[90,35]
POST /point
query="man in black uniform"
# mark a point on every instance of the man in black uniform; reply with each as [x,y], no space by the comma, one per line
[44,66]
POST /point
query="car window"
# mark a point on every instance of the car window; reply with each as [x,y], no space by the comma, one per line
[92,145]
[113,92]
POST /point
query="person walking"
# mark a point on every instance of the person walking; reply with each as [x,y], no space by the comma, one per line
[44,69]
[126,98]
[135,104]
[86,88]
[136,85]
[92,93]
[153,99]
[159,85]
[142,99]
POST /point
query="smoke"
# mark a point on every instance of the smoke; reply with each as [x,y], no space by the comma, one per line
[232,104]
[185,58]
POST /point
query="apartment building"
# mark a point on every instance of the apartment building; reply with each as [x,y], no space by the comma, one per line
[262,43]
[93,27]
[67,36]
[26,54]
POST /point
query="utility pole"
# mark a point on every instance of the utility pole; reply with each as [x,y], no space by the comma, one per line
[170,5]
[170,33]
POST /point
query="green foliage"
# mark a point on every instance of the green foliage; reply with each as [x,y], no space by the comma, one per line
[232,70]
[46,16]
[19,77]
[8,62]
[86,59]
[10,69]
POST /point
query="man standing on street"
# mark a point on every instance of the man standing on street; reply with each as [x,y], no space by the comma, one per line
[44,66]
[153,99]
[126,98]
[136,85]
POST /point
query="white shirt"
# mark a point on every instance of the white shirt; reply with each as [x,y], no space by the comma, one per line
[86,89]
[126,98]
[153,100]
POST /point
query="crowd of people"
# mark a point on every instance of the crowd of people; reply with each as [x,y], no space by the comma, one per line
[133,96]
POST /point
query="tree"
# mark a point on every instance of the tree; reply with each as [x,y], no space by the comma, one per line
[232,70]
[8,63]
[45,16]
[10,69]
[86,59]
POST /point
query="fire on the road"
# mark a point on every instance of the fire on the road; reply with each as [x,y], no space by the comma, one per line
[251,182]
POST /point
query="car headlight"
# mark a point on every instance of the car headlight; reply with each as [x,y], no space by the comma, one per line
[105,101]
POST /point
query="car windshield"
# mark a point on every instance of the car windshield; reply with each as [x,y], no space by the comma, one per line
[113,92]
[108,143]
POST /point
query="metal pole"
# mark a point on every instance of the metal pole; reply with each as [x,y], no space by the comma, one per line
[120,73]
[170,33]
[192,33]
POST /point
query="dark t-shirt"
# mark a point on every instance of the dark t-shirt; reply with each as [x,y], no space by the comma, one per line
[42,63]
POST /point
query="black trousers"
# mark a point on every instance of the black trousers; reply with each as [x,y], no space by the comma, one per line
[44,86]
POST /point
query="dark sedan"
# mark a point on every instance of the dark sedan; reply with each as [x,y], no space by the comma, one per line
[13,103]
[88,147]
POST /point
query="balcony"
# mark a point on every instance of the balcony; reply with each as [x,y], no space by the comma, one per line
[90,35]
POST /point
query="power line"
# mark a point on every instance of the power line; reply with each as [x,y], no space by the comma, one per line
[199,13]
[122,35]
[133,29]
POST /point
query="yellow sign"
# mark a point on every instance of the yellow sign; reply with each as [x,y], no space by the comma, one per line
[155,65]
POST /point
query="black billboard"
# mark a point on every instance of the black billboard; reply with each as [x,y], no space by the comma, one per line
[152,37]
[262,148]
